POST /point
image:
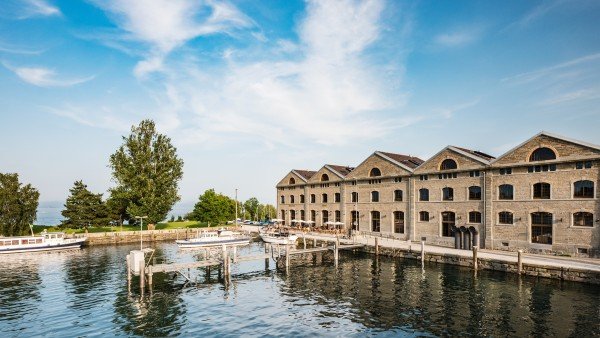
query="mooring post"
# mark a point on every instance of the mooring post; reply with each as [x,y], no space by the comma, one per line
[336,254]
[150,277]
[235,254]
[128,270]
[267,257]
[304,240]
[142,277]
[376,246]
[225,262]
[475,257]
[520,261]
[287,258]
[422,251]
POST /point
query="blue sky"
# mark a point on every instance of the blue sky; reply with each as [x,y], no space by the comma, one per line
[248,90]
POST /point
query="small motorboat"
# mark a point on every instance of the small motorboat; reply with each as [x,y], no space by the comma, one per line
[48,241]
[214,238]
[278,236]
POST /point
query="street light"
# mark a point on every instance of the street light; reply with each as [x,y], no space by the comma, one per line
[141,218]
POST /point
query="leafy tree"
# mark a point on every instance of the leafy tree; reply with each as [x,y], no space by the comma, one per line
[268,211]
[147,172]
[213,207]
[117,206]
[18,205]
[84,208]
[251,207]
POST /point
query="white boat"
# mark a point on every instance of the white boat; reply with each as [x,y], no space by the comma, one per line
[278,237]
[48,241]
[214,238]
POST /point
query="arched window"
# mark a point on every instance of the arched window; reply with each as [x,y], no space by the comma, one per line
[338,216]
[423,216]
[375,221]
[325,215]
[475,193]
[448,164]
[397,195]
[324,177]
[541,191]
[302,215]
[292,215]
[355,219]
[474,217]
[282,199]
[448,194]
[292,181]
[423,194]
[505,192]
[313,215]
[302,198]
[541,227]
[542,154]
[398,222]
[337,197]
[375,172]
[583,189]
[292,199]
[505,217]
[374,196]
[324,198]
[354,197]
[313,198]
[583,219]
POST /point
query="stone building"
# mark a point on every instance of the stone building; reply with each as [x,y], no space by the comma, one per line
[541,196]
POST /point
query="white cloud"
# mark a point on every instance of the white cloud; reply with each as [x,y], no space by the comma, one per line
[44,77]
[458,38]
[33,8]
[536,13]
[164,25]
[551,70]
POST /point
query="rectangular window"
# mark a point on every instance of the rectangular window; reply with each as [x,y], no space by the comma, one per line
[355,220]
[474,217]
[301,198]
[423,216]
[337,197]
[354,197]
[506,171]
[398,222]
[338,216]
[397,179]
[313,198]
[423,178]
[475,173]
[282,199]
[375,221]
[423,195]
[324,198]
[398,195]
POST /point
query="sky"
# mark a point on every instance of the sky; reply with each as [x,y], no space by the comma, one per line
[248,90]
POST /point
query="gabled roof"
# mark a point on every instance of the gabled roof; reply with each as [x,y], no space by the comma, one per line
[556,136]
[472,154]
[407,160]
[304,174]
[340,170]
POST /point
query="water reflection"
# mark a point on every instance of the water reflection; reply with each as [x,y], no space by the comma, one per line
[85,293]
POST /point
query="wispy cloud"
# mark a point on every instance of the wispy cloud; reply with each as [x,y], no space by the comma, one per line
[577,95]
[449,112]
[164,25]
[44,77]
[459,37]
[536,13]
[25,9]
[19,50]
[99,117]
[551,70]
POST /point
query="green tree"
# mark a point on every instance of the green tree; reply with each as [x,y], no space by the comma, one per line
[251,207]
[147,172]
[84,208]
[18,205]
[117,206]
[268,211]
[213,207]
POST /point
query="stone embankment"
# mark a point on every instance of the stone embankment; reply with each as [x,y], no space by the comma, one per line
[563,268]
[107,238]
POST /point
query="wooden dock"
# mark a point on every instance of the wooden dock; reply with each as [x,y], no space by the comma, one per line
[223,257]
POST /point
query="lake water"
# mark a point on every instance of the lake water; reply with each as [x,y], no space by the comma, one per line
[84,293]
[48,212]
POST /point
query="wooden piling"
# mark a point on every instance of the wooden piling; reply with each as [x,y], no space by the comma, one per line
[266,259]
[520,262]
[235,254]
[128,270]
[287,258]
[475,248]
[376,246]
[422,252]
[150,276]
[336,251]
[304,240]
[142,277]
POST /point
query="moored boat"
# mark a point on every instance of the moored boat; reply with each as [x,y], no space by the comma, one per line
[214,238]
[278,237]
[47,241]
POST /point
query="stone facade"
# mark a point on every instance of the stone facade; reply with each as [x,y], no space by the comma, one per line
[544,211]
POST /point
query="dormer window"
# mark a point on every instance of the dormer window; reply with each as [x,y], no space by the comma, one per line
[542,154]
[448,164]
[375,172]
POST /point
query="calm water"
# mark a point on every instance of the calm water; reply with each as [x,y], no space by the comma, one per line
[85,293]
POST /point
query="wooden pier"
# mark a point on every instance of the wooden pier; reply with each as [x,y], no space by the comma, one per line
[140,263]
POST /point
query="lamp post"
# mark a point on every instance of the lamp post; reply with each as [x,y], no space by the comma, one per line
[141,218]
[236,205]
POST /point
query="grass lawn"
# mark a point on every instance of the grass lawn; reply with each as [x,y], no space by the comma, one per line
[159,226]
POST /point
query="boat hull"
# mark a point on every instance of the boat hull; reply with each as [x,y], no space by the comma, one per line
[279,240]
[43,247]
[184,244]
